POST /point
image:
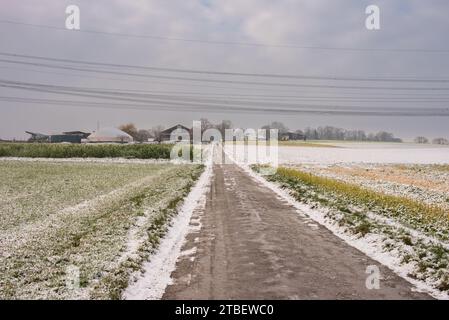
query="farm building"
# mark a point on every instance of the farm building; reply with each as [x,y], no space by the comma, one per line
[70,137]
[110,135]
[59,138]
[290,135]
[176,133]
[83,135]
[285,136]
[37,137]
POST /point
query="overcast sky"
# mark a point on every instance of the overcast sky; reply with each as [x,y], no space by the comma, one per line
[405,24]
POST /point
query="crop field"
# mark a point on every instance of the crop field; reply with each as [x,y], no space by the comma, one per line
[424,183]
[327,153]
[83,222]
[398,153]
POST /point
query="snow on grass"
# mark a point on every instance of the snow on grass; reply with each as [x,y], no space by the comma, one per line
[151,284]
[425,183]
[57,215]
[36,190]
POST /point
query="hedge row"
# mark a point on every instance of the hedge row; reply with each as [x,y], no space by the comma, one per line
[47,150]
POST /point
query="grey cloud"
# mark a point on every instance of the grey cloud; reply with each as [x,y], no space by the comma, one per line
[340,23]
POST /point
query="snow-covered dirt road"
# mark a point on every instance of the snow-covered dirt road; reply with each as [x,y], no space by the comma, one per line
[254,245]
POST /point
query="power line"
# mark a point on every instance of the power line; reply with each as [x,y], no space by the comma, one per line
[231,43]
[147,82]
[221,73]
[235,82]
[170,107]
[245,106]
[284,95]
[215,99]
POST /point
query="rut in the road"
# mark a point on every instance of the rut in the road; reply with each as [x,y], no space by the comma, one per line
[253,245]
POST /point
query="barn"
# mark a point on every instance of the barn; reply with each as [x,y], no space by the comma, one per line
[176,133]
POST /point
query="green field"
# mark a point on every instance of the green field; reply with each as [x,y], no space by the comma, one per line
[47,150]
[55,216]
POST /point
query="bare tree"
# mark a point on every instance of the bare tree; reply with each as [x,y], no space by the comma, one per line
[276,125]
[333,133]
[280,126]
[156,132]
[143,135]
[282,129]
[383,136]
[205,124]
[225,124]
[421,140]
[441,141]
[129,128]
[311,133]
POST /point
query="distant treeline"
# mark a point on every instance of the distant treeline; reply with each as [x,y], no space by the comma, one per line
[334,133]
[424,140]
[47,150]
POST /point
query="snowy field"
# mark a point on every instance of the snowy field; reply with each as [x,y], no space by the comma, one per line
[366,153]
[393,153]
[78,229]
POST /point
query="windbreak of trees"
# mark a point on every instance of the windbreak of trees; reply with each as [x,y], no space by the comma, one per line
[276,125]
[424,140]
[421,140]
[334,133]
[442,141]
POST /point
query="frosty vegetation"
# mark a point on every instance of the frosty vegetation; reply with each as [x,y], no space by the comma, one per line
[102,218]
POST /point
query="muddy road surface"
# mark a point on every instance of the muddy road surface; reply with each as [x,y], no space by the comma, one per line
[254,245]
